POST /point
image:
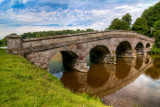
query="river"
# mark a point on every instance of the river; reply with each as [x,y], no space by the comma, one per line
[128,83]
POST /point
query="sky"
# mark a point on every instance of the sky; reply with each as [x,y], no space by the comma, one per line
[20,16]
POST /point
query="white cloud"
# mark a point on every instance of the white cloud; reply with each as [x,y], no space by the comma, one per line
[25,1]
[1,1]
[100,18]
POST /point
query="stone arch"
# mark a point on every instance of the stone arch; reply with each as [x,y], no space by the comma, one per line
[139,48]
[64,60]
[99,54]
[148,45]
[124,49]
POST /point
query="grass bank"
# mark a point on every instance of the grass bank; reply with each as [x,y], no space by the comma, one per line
[23,84]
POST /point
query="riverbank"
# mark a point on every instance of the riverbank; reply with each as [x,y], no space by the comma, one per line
[23,84]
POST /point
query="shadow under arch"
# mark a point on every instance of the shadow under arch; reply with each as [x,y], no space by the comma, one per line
[148,45]
[124,49]
[98,75]
[139,48]
[123,67]
[62,61]
[99,54]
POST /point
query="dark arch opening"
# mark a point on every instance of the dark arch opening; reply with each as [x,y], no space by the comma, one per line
[62,61]
[148,45]
[99,54]
[139,48]
[124,49]
[69,59]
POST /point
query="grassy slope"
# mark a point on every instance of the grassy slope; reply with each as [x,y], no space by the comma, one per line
[23,84]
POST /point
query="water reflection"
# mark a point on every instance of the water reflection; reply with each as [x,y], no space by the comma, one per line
[97,79]
[123,67]
[154,72]
[139,62]
[103,80]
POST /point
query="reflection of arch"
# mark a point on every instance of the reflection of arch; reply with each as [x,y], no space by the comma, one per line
[70,80]
[139,62]
[99,53]
[154,71]
[139,48]
[66,58]
[97,75]
[148,45]
[123,67]
[146,61]
[124,49]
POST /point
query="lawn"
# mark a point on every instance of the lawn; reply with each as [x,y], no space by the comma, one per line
[23,84]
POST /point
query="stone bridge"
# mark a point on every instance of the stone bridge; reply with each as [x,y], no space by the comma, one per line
[102,46]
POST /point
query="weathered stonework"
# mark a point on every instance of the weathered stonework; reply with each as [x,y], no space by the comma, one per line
[41,50]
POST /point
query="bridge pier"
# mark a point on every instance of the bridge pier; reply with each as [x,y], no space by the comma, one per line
[145,52]
[134,54]
[81,65]
[113,57]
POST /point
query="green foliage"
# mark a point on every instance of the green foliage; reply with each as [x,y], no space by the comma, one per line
[157,38]
[52,33]
[155,50]
[140,26]
[152,14]
[157,26]
[123,24]
[23,84]
[119,25]
[127,18]
[13,34]
[3,42]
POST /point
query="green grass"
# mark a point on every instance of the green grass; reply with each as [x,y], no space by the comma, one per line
[23,84]
[155,50]
[3,45]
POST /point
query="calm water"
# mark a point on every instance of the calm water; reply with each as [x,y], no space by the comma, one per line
[3,47]
[128,83]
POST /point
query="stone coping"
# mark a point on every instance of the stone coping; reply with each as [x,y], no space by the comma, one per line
[87,33]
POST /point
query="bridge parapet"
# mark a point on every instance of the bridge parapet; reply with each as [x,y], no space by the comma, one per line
[32,42]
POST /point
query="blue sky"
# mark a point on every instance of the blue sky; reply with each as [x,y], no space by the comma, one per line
[19,16]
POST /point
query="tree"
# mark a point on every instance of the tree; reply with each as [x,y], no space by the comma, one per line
[157,26]
[152,14]
[127,18]
[89,30]
[114,24]
[119,25]
[157,38]
[140,26]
